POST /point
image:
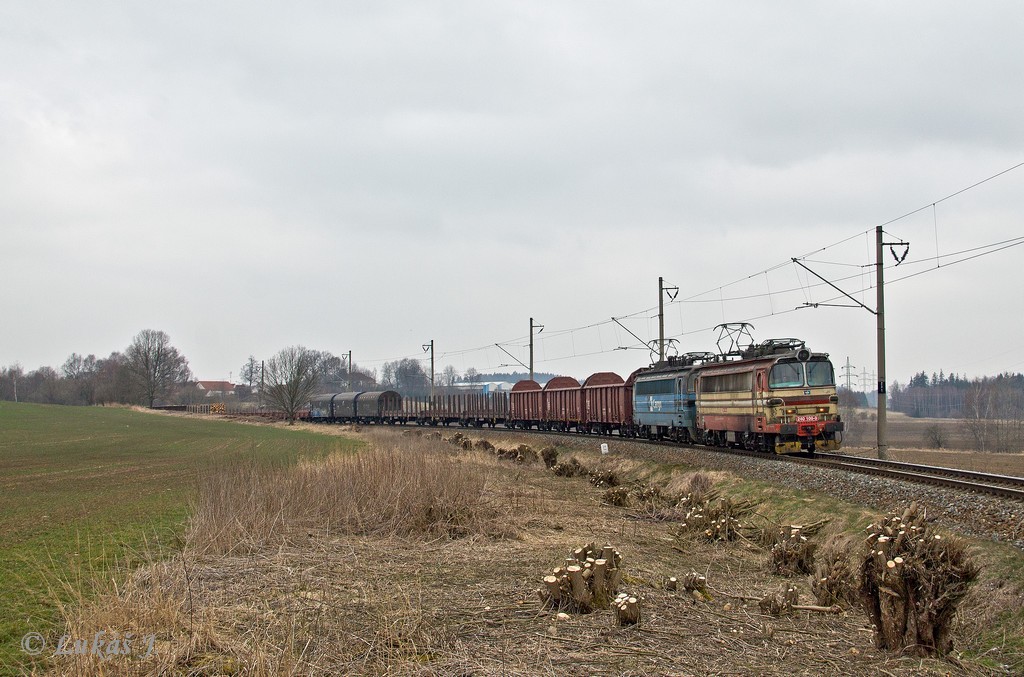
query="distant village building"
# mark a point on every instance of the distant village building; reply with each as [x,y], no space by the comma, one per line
[216,388]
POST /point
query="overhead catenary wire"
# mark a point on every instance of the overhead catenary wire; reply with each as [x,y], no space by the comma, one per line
[805,287]
[975,252]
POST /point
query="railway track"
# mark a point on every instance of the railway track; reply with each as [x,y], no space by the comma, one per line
[1002,486]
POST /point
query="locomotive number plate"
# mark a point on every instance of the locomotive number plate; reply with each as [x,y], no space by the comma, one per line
[806,419]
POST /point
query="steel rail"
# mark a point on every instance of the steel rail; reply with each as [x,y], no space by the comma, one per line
[953,478]
[973,475]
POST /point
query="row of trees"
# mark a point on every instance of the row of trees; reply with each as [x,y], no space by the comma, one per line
[149,369]
[993,412]
[152,371]
[955,396]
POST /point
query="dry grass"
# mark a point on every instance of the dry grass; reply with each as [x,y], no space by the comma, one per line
[310,598]
[420,489]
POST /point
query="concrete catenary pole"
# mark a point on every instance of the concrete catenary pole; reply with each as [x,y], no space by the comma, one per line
[661,319]
[881,430]
[532,327]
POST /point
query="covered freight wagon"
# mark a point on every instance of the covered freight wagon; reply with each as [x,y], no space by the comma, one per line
[607,404]
[563,404]
[525,405]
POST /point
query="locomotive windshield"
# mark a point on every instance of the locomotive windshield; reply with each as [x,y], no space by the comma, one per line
[791,374]
[819,373]
[786,375]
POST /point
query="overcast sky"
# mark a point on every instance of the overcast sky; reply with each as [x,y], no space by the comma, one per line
[369,176]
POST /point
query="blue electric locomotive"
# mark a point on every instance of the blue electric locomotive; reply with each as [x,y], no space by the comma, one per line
[664,398]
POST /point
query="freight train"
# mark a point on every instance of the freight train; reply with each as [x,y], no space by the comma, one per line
[776,397]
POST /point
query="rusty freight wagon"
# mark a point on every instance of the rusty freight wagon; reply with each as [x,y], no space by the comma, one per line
[525,405]
[563,404]
[608,404]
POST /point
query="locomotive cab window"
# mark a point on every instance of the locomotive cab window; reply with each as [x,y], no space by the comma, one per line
[820,373]
[788,374]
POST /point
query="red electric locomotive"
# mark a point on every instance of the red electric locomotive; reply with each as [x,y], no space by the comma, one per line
[778,397]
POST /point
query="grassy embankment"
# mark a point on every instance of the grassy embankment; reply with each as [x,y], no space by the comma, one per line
[417,555]
[85,489]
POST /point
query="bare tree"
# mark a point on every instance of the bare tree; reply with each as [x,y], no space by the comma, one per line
[114,381]
[80,376]
[9,378]
[249,375]
[250,372]
[291,379]
[156,365]
[406,376]
[935,436]
[450,376]
[332,371]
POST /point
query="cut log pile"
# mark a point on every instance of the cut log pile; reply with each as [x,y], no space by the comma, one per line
[604,478]
[786,601]
[520,454]
[717,519]
[912,581]
[570,468]
[792,553]
[637,494]
[587,580]
[618,496]
[457,440]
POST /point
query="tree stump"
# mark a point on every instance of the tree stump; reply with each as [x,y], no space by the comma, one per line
[780,603]
[627,609]
[792,553]
[912,582]
[586,582]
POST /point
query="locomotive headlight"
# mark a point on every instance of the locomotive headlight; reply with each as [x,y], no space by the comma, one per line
[791,411]
[822,410]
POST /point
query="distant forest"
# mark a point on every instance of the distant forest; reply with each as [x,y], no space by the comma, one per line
[941,396]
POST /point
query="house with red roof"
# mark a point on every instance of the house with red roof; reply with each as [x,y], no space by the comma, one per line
[216,388]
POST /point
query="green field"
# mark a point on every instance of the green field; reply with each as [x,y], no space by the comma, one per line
[86,488]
